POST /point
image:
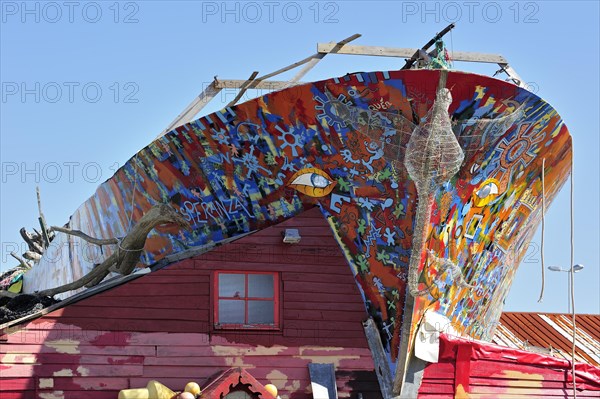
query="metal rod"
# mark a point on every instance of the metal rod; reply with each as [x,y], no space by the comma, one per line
[415,56]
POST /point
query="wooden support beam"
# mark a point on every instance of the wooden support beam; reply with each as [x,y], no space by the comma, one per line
[319,56]
[408,52]
[512,74]
[404,350]
[414,377]
[253,83]
[307,60]
[193,108]
[262,85]
[382,367]
[243,89]
[285,69]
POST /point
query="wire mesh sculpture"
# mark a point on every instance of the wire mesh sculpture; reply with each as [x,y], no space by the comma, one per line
[433,156]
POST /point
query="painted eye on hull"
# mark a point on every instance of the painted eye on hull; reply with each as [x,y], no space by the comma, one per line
[486,193]
[312,182]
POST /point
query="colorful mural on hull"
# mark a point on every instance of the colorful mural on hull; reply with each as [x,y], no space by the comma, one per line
[340,144]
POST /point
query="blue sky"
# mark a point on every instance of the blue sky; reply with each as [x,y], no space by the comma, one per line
[87,84]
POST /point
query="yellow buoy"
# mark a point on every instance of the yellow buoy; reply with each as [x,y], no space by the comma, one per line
[272,389]
[192,388]
[154,390]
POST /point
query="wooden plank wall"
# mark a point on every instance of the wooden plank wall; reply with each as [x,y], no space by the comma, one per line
[160,327]
[506,374]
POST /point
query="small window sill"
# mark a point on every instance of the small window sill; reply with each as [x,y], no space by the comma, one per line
[247,327]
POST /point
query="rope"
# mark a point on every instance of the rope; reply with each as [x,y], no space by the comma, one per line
[541,298]
[572,279]
[135,172]
[120,240]
[452,48]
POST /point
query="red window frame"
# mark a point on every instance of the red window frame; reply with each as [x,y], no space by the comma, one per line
[275,299]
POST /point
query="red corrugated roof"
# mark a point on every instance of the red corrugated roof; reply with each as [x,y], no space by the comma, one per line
[551,333]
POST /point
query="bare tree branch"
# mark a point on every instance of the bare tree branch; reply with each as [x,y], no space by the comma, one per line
[82,235]
[128,253]
[22,261]
[34,241]
[42,220]
[31,255]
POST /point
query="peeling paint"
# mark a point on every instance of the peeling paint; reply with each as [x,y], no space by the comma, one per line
[234,356]
[64,346]
[221,350]
[517,375]
[328,359]
[280,380]
[52,395]
[83,371]
[302,349]
[64,373]
[461,393]
[237,361]
[17,358]
[45,383]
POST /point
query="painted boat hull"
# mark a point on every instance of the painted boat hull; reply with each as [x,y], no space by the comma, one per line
[240,169]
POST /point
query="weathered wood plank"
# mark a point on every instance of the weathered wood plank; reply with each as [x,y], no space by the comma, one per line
[193,108]
[90,383]
[256,84]
[65,358]
[382,367]
[408,52]
[54,370]
[97,313]
[132,350]
[16,384]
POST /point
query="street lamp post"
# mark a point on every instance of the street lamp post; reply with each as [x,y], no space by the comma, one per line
[573,269]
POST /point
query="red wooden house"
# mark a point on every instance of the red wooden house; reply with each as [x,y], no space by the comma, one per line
[254,303]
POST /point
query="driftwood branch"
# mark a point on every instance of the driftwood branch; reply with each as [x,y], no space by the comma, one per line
[31,255]
[125,258]
[82,235]
[34,241]
[22,261]
[42,220]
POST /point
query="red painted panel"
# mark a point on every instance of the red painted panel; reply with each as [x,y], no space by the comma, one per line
[17,384]
[492,371]
[17,394]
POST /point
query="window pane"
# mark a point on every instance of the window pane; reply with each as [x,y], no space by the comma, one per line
[232,285]
[261,312]
[260,286]
[231,311]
